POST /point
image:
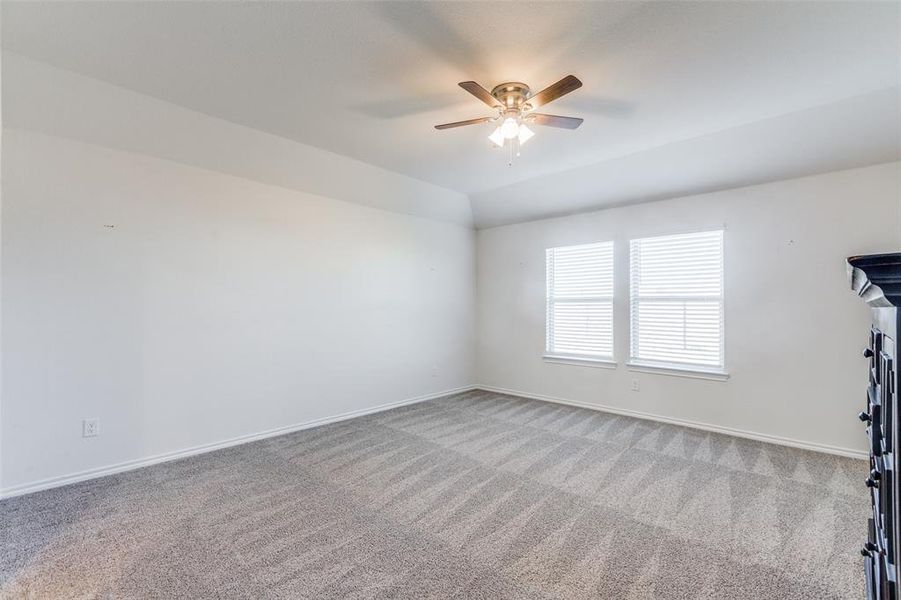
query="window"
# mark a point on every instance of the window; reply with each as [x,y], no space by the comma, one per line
[677,301]
[580,301]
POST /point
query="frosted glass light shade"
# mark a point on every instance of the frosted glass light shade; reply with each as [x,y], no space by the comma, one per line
[510,128]
[525,134]
[497,138]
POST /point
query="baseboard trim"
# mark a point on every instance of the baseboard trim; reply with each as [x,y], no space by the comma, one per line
[751,435]
[54,482]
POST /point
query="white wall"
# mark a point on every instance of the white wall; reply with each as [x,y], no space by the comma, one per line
[183,306]
[794,330]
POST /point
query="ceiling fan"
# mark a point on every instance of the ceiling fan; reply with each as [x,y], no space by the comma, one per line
[515,104]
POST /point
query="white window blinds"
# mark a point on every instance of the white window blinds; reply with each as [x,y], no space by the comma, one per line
[580,301]
[677,299]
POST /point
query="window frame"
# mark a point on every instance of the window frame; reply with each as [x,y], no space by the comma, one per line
[684,369]
[590,360]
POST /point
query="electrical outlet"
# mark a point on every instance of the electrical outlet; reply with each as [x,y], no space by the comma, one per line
[635,386]
[90,427]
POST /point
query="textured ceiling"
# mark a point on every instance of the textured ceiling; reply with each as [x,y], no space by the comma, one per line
[369,80]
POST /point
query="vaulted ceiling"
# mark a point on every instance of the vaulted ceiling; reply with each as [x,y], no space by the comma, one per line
[678,97]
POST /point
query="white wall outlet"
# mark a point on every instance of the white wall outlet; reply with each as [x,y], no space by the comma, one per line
[635,385]
[90,427]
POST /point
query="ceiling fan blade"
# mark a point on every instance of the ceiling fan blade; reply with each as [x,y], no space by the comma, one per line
[481,93]
[554,91]
[554,121]
[462,123]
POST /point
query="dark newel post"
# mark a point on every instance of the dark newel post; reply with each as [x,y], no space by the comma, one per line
[877,279]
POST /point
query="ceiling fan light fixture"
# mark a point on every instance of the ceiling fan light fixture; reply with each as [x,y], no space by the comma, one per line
[497,138]
[525,134]
[514,102]
[509,128]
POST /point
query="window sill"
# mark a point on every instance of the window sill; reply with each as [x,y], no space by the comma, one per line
[679,371]
[598,363]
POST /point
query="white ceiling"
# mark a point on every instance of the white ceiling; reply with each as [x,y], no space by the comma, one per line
[369,81]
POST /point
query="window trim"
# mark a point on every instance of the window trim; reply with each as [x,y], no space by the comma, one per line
[678,370]
[581,361]
[692,370]
[589,360]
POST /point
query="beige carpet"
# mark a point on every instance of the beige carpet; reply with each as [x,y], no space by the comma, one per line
[471,496]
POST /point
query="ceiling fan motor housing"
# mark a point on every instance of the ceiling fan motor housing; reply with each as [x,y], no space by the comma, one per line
[512,94]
